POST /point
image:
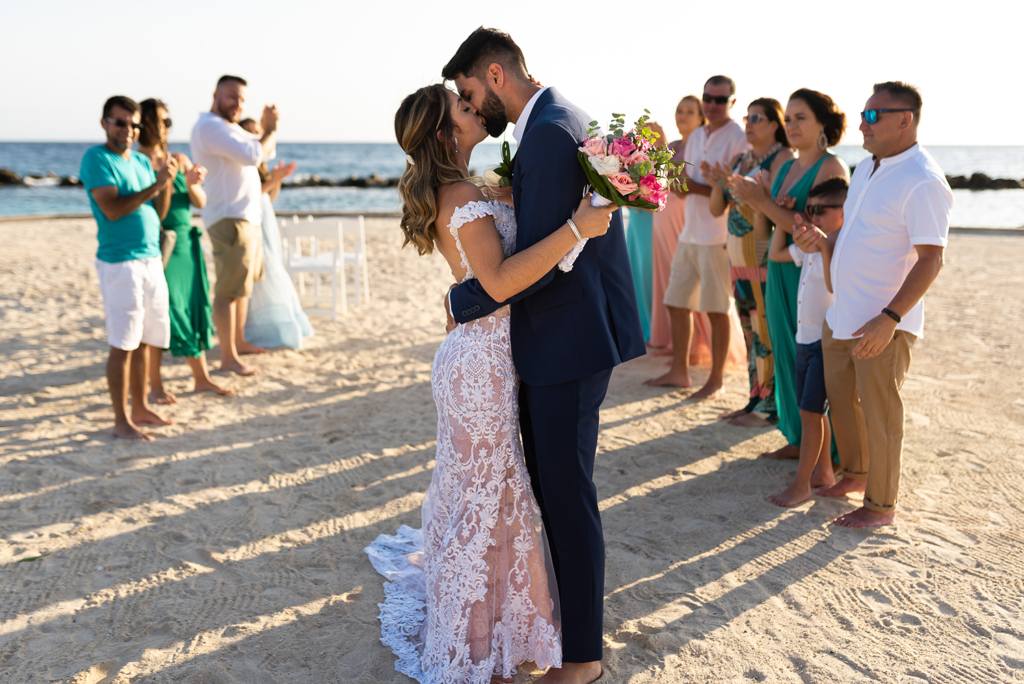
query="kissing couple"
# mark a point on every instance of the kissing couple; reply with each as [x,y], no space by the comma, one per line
[508,566]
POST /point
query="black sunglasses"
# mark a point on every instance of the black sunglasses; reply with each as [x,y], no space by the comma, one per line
[870,116]
[717,99]
[819,209]
[755,118]
[167,122]
[121,123]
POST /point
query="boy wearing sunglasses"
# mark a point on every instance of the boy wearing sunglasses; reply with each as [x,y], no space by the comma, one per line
[825,210]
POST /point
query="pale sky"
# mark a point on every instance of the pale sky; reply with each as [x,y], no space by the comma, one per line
[338,70]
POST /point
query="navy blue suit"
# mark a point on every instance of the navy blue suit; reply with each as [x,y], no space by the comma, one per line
[568,331]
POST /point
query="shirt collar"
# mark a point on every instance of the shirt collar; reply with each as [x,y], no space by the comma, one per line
[896,159]
[520,128]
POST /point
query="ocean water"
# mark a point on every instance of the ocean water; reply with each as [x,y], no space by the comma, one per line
[987,208]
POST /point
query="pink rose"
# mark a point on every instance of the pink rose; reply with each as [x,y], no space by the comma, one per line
[649,185]
[595,147]
[622,182]
[621,148]
[637,157]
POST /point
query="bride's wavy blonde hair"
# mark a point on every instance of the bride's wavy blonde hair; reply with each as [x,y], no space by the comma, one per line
[434,161]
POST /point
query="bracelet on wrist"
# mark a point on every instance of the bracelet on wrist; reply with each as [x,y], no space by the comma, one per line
[893,315]
[572,226]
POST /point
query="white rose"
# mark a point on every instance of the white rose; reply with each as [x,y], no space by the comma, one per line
[490,177]
[606,165]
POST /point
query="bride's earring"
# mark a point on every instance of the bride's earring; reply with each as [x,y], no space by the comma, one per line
[822,140]
[456,141]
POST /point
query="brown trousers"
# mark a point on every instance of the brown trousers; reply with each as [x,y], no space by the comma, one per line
[867,413]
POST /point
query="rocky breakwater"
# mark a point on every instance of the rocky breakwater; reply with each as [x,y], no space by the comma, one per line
[8,177]
[315,181]
[979,181]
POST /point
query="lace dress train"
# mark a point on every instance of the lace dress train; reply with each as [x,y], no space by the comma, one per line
[468,596]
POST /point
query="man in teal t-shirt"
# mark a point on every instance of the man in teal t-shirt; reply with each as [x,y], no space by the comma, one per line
[122,188]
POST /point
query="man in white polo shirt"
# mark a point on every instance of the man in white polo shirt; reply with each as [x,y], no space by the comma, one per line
[233,211]
[887,255]
[699,280]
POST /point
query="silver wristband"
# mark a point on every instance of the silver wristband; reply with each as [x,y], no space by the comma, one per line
[575,232]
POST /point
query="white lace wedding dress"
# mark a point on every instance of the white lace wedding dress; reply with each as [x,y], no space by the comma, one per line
[468,596]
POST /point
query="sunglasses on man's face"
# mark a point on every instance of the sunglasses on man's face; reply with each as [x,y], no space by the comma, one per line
[121,123]
[870,116]
[819,209]
[717,99]
[754,118]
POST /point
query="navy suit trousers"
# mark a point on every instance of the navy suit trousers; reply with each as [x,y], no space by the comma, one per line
[559,425]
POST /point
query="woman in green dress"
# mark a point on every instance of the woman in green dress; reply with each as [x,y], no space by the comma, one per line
[188,286]
[813,124]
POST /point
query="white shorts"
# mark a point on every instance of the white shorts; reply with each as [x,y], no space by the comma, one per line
[135,301]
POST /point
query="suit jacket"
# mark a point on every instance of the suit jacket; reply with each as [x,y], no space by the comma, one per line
[566,326]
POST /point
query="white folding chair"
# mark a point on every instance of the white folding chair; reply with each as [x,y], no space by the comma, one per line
[319,263]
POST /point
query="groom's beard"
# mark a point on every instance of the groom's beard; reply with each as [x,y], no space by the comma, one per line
[493,112]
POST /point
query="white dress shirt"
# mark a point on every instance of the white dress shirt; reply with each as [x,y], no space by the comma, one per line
[812,297]
[906,202]
[230,155]
[700,227]
[520,128]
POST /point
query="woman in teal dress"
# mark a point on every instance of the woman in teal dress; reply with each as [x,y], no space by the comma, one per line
[188,287]
[640,246]
[813,124]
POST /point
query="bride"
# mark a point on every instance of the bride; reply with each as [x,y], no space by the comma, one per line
[469,595]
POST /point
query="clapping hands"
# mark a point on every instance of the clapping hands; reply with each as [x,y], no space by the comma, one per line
[166,169]
[715,175]
[807,237]
[195,175]
[268,122]
[282,171]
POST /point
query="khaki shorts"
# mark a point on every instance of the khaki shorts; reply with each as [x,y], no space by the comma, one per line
[700,279]
[237,256]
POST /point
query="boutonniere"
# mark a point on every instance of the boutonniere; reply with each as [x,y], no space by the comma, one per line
[501,175]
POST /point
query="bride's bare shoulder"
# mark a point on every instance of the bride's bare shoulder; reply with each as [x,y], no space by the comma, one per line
[454,195]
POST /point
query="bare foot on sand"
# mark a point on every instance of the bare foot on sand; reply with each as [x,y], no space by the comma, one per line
[239,368]
[845,486]
[211,386]
[162,396]
[146,417]
[495,679]
[670,379]
[750,420]
[787,452]
[573,673]
[792,495]
[660,351]
[131,433]
[250,348]
[865,517]
[708,391]
[825,479]
[729,415]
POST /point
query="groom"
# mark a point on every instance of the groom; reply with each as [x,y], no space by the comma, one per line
[568,330]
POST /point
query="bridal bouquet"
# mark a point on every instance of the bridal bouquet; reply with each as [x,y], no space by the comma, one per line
[627,168]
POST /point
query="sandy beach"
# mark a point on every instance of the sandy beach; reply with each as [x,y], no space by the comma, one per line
[229,550]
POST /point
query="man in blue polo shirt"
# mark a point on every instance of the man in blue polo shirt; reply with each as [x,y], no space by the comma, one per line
[122,186]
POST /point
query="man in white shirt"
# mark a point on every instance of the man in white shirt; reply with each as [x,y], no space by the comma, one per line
[887,255]
[699,280]
[233,211]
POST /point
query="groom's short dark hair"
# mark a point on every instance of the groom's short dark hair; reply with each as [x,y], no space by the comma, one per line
[484,47]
